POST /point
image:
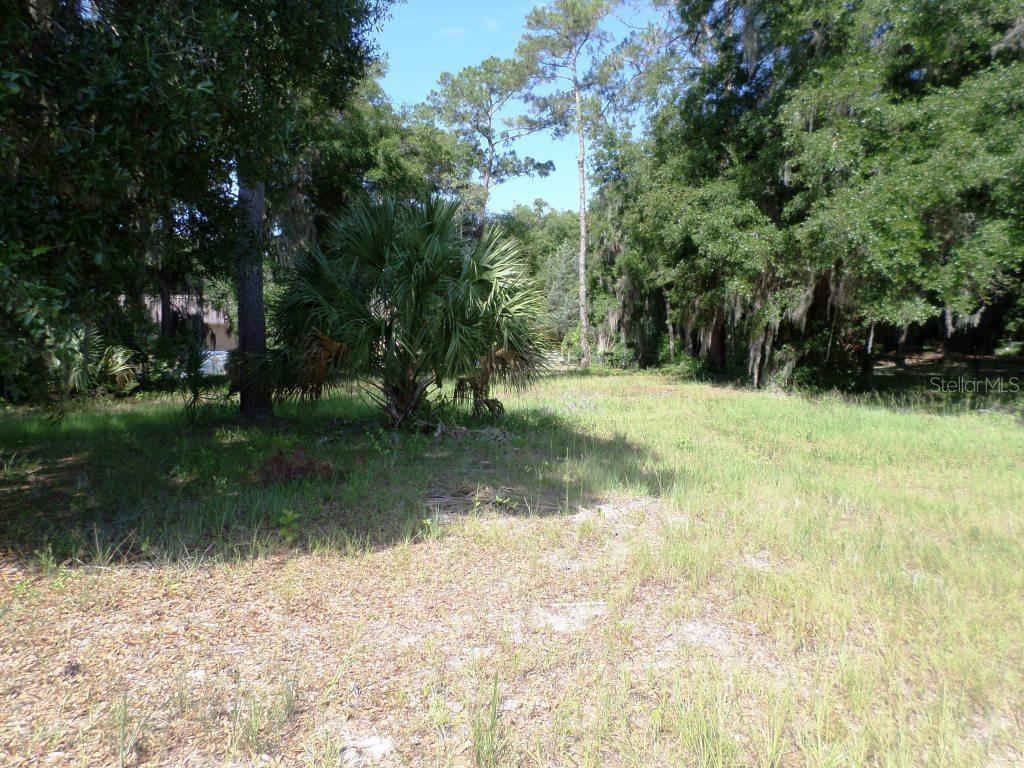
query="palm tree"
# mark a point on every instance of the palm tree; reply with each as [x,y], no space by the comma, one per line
[401,298]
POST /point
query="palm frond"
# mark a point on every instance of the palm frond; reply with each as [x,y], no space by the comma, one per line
[400,296]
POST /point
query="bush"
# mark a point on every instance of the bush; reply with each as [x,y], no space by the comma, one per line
[191,359]
[402,298]
[686,367]
[89,366]
[571,350]
[618,355]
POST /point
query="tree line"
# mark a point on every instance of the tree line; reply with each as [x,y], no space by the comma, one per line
[817,184]
[782,191]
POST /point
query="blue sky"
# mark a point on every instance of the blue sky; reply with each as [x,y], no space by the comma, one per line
[424,38]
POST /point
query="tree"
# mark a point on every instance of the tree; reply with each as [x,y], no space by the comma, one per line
[86,172]
[816,183]
[558,276]
[566,41]
[120,116]
[471,103]
[370,147]
[547,239]
[401,298]
[441,161]
[280,67]
[540,229]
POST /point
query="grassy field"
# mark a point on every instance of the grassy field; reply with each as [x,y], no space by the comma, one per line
[627,570]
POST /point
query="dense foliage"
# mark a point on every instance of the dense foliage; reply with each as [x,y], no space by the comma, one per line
[401,297]
[830,180]
[783,191]
[126,128]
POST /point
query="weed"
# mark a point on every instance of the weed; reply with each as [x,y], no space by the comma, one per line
[705,725]
[773,747]
[382,442]
[127,730]
[15,468]
[288,525]
[47,560]
[430,527]
[256,722]
[486,732]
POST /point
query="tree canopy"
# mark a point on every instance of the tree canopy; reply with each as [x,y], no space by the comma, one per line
[826,176]
[474,104]
[126,127]
[784,190]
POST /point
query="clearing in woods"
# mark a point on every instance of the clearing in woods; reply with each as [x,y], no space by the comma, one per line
[628,570]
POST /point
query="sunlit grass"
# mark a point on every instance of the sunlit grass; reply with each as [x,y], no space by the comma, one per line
[885,545]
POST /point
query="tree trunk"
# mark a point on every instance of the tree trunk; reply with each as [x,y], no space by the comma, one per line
[716,341]
[671,330]
[581,158]
[166,309]
[901,347]
[945,345]
[867,361]
[252,323]
[487,180]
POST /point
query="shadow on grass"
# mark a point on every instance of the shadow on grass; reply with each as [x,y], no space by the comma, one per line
[133,482]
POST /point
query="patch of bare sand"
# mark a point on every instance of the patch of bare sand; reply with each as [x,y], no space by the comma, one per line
[673,627]
[178,650]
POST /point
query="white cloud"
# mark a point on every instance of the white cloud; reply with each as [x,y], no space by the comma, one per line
[450,32]
[490,24]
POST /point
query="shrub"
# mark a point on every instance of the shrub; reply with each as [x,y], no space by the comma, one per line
[571,350]
[402,298]
[687,366]
[88,365]
[618,355]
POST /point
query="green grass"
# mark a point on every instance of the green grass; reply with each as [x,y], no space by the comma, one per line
[847,577]
[132,480]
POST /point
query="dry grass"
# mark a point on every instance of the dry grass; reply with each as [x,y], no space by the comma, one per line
[650,574]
